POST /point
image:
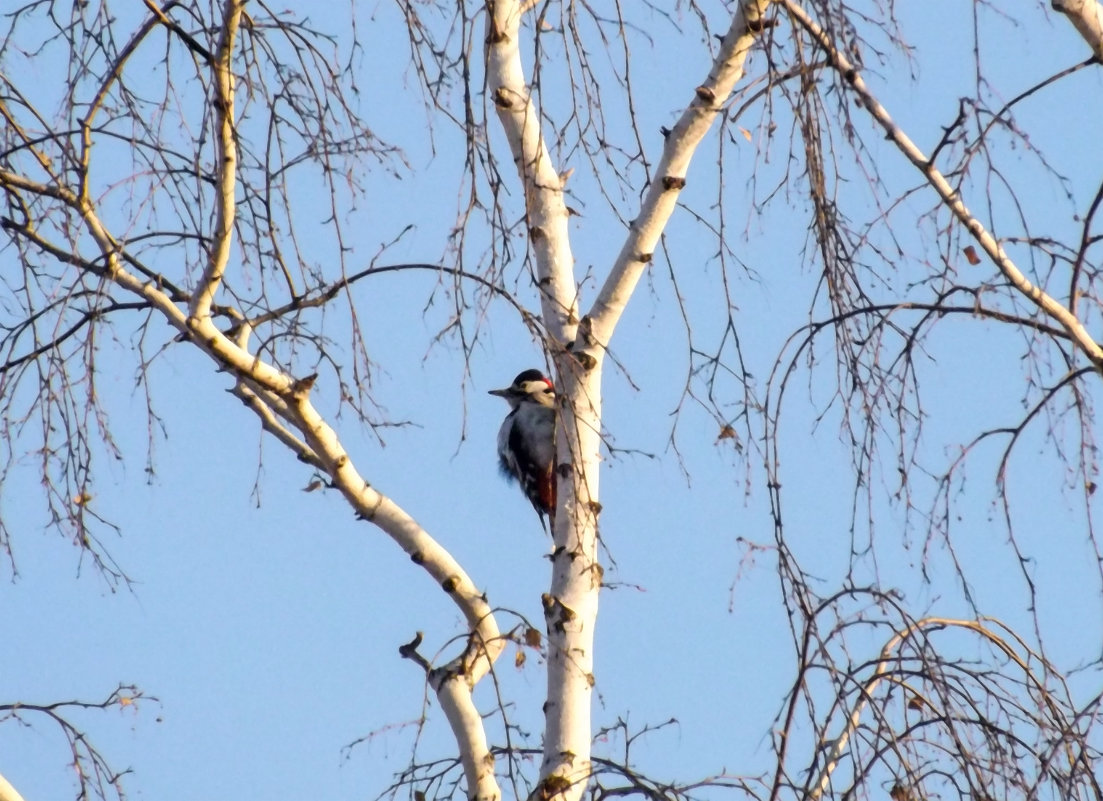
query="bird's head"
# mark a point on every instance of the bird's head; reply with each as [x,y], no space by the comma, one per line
[531,386]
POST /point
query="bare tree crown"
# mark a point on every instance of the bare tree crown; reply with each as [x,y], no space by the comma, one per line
[211,178]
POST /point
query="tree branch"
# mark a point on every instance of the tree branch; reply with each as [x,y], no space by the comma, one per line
[670,175]
[1087,17]
[571,604]
[950,197]
[223,104]
[543,185]
[837,748]
[7,792]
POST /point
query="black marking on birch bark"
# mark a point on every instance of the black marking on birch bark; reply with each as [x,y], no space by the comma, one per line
[705,94]
[301,388]
[536,233]
[759,25]
[644,257]
[496,35]
[438,676]
[598,573]
[370,514]
[552,786]
[449,584]
[585,360]
[501,98]
[664,131]
[556,614]
[673,182]
[563,469]
[417,557]
[595,507]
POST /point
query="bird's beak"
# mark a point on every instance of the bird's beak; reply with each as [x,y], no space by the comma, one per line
[501,393]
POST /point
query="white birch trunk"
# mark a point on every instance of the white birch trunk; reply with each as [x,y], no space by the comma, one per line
[571,605]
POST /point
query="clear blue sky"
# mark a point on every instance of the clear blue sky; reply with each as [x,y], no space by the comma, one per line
[268,622]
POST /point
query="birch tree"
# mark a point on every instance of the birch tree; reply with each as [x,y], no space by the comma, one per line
[156,200]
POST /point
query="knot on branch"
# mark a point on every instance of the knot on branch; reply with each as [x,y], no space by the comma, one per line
[673,182]
[449,584]
[586,330]
[496,35]
[502,98]
[556,613]
[409,651]
[705,94]
[757,26]
[301,388]
[597,575]
[584,359]
[552,786]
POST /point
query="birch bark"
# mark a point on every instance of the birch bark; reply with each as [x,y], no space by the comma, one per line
[1087,17]
[578,349]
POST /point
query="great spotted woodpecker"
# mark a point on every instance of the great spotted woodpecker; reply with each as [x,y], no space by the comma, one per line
[526,440]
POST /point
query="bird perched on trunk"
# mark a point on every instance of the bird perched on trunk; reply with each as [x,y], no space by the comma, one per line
[526,440]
